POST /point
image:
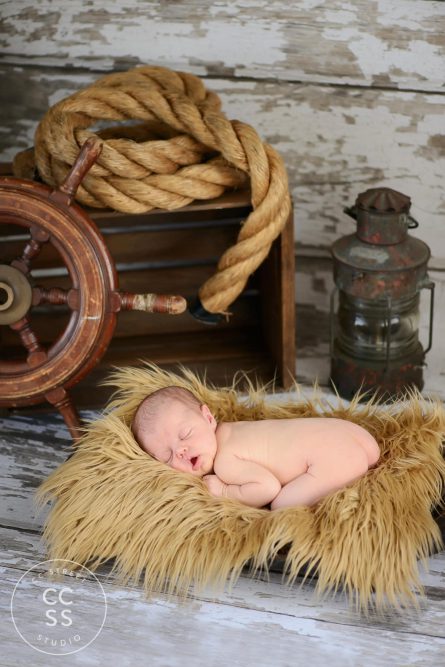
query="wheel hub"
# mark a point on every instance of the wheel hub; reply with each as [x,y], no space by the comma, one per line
[15,294]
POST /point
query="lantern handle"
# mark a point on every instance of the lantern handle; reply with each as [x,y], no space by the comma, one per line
[388,333]
[430,285]
[331,321]
[351,211]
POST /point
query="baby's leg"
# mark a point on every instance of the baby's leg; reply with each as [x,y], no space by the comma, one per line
[324,477]
[365,440]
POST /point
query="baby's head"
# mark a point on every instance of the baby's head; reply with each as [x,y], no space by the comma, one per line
[175,428]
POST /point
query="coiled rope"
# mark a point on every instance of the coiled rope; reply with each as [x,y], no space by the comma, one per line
[185,149]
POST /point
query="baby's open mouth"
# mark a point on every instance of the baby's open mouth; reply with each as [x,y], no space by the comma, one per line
[193,461]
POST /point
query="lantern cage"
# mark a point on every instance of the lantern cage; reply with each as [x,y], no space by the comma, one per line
[379,273]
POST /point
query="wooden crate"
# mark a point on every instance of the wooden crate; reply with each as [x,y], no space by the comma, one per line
[175,252]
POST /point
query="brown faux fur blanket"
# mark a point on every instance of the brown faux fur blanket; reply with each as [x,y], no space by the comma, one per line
[112,500]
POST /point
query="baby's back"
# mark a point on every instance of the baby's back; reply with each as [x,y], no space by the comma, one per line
[288,447]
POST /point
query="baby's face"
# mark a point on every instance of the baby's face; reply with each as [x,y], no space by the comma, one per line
[182,438]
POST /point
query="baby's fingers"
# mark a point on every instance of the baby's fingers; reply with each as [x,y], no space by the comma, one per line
[213,484]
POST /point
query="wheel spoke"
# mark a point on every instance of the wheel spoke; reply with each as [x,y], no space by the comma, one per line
[32,249]
[152,303]
[56,296]
[36,353]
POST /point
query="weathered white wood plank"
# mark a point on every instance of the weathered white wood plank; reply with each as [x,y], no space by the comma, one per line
[29,450]
[367,42]
[22,550]
[336,142]
[207,633]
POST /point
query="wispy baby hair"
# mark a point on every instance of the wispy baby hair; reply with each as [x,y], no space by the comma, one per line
[150,406]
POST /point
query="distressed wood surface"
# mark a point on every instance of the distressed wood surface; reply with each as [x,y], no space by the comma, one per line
[257,621]
[30,448]
[366,42]
[336,142]
[205,633]
[22,550]
[236,630]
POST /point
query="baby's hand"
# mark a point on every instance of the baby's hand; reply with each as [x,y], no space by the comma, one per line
[215,486]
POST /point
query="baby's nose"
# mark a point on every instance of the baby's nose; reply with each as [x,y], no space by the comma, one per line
[181,451]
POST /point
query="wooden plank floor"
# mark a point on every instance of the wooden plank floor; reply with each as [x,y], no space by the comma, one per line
[257,622]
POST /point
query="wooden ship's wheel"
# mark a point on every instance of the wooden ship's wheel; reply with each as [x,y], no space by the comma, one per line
[51,217]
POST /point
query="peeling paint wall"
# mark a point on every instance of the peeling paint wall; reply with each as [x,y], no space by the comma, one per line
[351,93]
[366,42]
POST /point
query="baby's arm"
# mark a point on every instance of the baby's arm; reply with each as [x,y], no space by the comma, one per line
[246,481]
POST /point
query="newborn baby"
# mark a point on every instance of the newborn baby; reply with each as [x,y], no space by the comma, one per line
[284,462]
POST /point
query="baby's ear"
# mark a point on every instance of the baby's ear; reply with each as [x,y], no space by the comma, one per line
[205,411]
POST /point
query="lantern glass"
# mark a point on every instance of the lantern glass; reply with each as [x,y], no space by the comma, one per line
[365,326]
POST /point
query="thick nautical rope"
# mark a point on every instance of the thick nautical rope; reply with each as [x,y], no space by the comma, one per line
[185,149]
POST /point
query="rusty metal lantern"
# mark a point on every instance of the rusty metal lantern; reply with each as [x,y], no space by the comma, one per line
[379,272]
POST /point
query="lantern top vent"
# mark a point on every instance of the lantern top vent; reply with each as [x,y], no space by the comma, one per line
[383,200]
